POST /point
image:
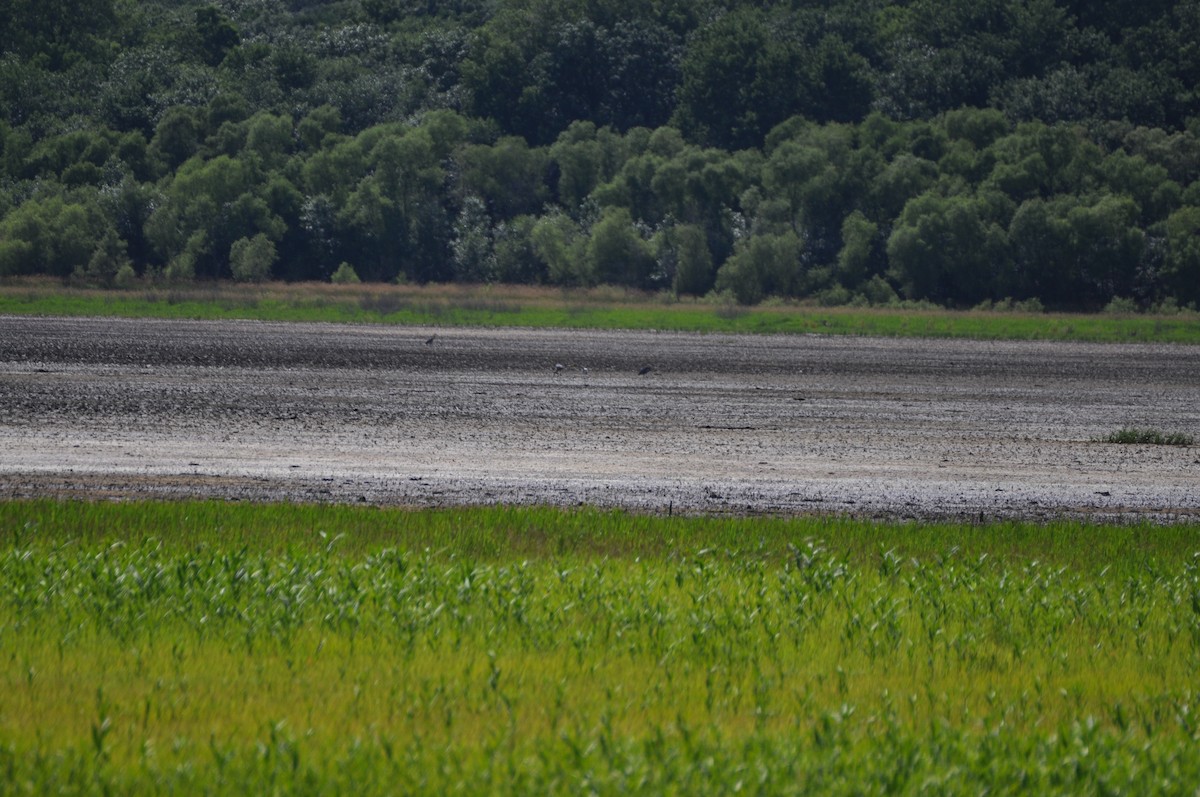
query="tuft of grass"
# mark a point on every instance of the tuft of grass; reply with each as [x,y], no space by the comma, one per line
[1152,437]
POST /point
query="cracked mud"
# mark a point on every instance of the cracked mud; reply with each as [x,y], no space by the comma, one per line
[783,424]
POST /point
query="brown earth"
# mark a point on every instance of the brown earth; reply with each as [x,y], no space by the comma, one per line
[781,424]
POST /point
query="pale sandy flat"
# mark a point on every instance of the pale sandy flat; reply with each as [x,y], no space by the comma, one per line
[780,424]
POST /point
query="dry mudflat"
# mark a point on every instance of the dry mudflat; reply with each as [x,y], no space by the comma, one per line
[901,428]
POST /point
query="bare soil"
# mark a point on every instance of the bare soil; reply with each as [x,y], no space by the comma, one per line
[732,424]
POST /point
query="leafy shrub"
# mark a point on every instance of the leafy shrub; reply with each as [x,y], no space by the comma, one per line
[1120,306]
[181,268]
[879,292]
[125,276]
[345,275]
[250,259]
[835,296]
[108,259]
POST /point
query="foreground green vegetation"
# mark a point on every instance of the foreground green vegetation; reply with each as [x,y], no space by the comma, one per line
[1045,152]
[493,306]
[255,649]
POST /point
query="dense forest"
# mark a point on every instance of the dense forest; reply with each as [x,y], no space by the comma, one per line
[1044,152]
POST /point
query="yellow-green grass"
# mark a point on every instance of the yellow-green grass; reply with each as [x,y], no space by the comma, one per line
[600,308]
[226,648]
[506,534]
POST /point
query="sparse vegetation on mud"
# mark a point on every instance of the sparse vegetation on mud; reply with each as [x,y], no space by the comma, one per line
[1153,437]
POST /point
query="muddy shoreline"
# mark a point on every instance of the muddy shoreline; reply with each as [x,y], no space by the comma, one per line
[893,428]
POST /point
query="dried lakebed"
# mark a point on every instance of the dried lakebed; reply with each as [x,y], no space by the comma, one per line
[775,424]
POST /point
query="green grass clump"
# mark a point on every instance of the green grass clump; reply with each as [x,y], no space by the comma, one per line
[1152,437]
[212,648]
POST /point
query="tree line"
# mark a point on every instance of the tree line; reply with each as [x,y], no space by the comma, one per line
[852,151]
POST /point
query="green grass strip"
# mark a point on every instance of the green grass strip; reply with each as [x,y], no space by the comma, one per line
[500,534]
[384,305]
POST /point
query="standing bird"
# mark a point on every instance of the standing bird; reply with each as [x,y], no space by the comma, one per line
[558,367]
[429,341]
